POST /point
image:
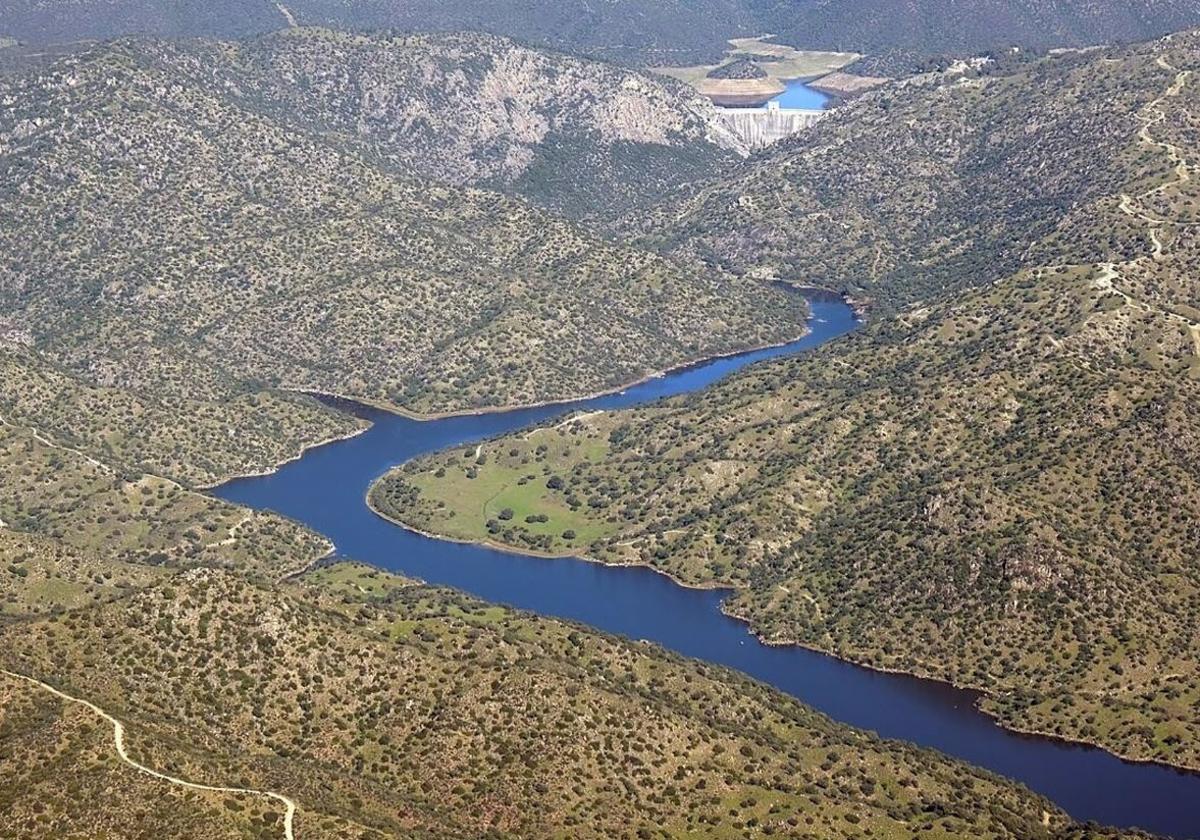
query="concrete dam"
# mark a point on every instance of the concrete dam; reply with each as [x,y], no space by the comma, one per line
[759,127]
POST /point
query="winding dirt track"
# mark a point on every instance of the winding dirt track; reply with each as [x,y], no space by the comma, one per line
[1153,114]
[119,741]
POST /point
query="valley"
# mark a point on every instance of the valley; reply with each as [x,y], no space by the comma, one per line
[996,489]
[325,490]
[218,276]
[606,421]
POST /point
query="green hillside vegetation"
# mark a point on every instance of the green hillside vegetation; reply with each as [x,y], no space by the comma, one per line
[197,435]
[159,238]
[739,68]
[64,780]
[42,574]
[900,38]
[382,707]
[90,507]
[465,108]
[637,31]
[183,248]
[997,488]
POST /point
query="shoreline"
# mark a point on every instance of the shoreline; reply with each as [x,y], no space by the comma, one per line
[541,555]
[979,694]
[400,411]
[304,449]
[419,417]
[329,557]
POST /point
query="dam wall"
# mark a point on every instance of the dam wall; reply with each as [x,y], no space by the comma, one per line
[759,127]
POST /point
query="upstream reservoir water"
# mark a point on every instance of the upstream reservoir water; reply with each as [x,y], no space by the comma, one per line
[798,94]
[325,490]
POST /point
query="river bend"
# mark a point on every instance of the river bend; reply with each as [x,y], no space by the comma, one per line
[326,488]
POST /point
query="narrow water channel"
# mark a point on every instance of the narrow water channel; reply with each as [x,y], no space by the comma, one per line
[325,490]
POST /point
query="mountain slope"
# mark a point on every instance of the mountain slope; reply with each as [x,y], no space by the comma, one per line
[475,109]
[992,163]
[388,709]
[899,35]
[65,780]
[157,236]
[193,437]
[638,30]
[995,487]
[47,22]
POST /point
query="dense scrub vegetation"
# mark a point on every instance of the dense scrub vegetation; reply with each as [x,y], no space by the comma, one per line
[739,68]
[198,435]
[416,712]
[900,36]
[997,487]
[62,779]
[89,506]
[638,31]
[157,236]
[387,708]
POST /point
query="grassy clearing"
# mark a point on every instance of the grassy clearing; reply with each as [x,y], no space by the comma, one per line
[518,493]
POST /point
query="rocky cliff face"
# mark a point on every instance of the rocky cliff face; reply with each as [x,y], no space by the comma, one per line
[474,109]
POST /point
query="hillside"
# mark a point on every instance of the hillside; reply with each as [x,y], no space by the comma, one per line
[994,162]
[49,22]
[635,30]
[158,237]
[993,482]
[899,36]
[470,109]
[385,708]
[996,486]
[198,436]
[416,712]
[131,524]
[65,780]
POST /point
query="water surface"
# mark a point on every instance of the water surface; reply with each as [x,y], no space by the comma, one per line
[326,488]
[799,95]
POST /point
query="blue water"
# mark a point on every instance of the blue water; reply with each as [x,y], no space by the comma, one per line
[799,95]
[325,490]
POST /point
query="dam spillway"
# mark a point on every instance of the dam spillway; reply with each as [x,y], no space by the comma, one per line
[759,127]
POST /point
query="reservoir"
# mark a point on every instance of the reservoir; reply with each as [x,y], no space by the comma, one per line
[325,490]
[799,95]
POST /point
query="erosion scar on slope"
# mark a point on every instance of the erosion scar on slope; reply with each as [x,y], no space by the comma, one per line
[119,742]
